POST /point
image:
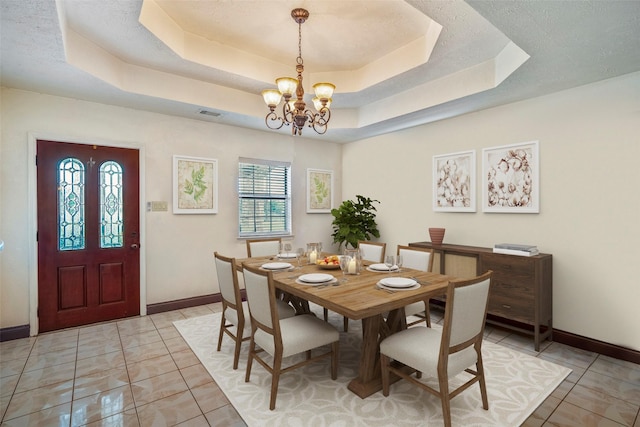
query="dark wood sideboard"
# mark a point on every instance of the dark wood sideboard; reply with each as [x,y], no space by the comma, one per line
[521,288]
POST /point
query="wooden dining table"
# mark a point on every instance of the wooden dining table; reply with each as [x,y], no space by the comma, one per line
[359,298]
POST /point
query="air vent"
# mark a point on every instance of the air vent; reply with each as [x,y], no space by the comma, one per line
[209,113]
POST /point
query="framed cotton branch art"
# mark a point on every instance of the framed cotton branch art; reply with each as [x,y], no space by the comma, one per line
[195,185]
[319,191]
[510,180]
[454,182]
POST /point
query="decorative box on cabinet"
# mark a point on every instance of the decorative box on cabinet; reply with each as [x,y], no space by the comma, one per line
[521,287]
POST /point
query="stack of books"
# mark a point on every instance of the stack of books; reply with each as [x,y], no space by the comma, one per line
[515,249]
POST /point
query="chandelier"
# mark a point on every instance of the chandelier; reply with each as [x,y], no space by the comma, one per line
[294,111]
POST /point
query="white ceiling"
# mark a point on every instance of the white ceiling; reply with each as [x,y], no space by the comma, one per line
[395,63]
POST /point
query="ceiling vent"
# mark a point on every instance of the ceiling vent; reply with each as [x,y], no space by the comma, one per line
[210,113]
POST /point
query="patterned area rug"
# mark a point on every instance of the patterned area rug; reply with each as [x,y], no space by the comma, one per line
[516,384]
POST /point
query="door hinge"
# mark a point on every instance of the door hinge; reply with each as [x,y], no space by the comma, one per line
[36,160]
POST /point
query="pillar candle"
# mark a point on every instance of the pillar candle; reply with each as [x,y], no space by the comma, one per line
[313,256]
[352,266]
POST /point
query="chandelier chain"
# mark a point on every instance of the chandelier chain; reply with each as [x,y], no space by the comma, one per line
[299,59]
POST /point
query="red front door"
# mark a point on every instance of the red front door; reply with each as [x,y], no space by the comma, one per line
[88,234]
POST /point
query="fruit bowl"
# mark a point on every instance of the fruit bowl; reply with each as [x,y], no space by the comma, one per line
[329,266]
[330,262]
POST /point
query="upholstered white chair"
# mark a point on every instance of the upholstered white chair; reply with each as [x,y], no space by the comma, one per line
[372,251]
[263,247]
[445,353]
[282,338]
[235,321]
[418,259]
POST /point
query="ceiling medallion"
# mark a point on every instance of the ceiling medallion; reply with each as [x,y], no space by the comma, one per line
[294,111]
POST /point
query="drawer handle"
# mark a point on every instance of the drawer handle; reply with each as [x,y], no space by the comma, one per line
[506,306]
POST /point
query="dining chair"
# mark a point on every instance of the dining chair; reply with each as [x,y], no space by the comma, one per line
[235,312]
[282,338]
[445,353]
[263,247]
[417,259]
[372,251]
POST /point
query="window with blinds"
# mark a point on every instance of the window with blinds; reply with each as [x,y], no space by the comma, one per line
[264,197]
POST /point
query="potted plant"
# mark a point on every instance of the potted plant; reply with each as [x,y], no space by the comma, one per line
[354,221]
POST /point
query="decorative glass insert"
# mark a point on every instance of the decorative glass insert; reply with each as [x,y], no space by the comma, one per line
[111,205]
[71,222]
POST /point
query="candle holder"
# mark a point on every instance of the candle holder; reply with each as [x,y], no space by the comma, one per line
[313,252]
[355,262]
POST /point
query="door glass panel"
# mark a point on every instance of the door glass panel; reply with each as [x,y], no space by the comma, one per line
[71,223]
[111,212]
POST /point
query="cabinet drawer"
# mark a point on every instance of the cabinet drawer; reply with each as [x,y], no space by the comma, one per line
[514,265]
[512,301]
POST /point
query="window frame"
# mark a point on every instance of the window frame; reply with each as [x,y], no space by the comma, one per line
[286,197]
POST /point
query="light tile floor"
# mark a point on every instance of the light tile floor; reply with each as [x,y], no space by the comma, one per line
[140,372]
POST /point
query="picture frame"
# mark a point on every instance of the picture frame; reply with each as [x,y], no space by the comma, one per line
[319,191]
[195,185]
[454,182]
[511,178]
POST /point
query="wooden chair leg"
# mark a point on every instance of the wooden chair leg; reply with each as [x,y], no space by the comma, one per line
[345,323]
[483,384]
[384,367]
[275,379]
[427,313]
[326,314]
[335,349]
[445,400]
[236,352]
[222,322]
[252,352]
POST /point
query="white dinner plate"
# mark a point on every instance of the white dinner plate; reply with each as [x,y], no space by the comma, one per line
[300,282]
[398,282]
[286,255]
[381,267]
[276,266]
[315,278]
[390,288]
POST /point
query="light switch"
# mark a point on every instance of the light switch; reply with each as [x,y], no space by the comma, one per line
[160,206]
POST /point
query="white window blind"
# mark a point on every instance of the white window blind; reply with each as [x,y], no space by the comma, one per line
[264,197]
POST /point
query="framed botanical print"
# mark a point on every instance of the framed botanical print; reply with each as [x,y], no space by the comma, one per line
[195,185]
[319,191]
[454,182]
[511,178]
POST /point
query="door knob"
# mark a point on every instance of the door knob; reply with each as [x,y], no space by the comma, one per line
[134,246]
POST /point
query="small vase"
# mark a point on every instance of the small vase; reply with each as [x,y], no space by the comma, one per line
[437,235]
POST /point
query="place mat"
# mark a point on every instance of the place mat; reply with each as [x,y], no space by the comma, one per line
[329,282]
[398,282]
[276,266]
[391,288]
[315,278]
[287,255]
[381,268]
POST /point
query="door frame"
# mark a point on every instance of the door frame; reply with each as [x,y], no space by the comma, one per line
[32,217]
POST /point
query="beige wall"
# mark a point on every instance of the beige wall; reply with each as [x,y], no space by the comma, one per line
[590,202]
[178,249]
[590,198]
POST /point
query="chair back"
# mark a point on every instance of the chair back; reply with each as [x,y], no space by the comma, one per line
[263,247]
[466,312]
[372,251]
[261,297]
[228,280]
[416,258]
